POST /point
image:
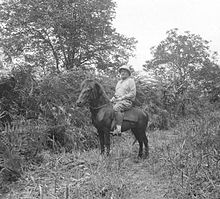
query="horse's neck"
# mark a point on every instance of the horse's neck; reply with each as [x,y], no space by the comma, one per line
[98,103]
[103,99]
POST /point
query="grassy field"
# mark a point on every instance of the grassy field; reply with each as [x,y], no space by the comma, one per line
[90,175]
[183,163]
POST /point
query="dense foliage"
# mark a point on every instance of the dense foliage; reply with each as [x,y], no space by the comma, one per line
[55,35]
[54,45]
[186,72]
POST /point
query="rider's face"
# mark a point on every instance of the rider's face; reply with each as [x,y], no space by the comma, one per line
[124,74]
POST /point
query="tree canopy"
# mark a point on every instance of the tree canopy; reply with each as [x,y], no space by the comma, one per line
[182,63]
[63,34]
[178,56]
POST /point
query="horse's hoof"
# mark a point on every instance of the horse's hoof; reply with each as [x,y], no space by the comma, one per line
[137,159]
[146,155]
[140,155]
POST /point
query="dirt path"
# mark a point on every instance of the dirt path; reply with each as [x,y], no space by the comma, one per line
[144,183]
[147,186]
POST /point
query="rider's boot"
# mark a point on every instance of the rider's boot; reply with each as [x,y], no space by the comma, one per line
[119,119]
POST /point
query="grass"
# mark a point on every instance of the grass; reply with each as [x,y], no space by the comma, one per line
[183,164]
[188,158]
[89,175]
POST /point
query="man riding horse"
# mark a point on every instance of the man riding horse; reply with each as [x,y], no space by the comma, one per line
[125,93]
[103,115]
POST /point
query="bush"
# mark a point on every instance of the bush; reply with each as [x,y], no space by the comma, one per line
[158,118]
[70,138]
[193,158]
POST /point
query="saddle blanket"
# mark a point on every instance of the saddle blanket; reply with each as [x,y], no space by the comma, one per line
[131,115]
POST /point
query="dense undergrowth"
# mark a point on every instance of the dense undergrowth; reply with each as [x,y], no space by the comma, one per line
[22,146]
[185,159]
[87,174]
[55,152]
[188,157]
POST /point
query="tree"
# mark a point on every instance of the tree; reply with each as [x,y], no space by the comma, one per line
[176,63]
[207,81]
[63,34]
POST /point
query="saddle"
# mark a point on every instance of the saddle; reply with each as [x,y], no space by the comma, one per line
[129,115]
[126,116]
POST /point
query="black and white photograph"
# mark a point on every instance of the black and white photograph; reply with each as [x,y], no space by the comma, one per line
[109,99]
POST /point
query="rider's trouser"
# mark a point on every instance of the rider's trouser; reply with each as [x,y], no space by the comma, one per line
[119,107]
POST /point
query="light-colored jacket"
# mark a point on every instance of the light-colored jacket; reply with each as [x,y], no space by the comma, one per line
[126,89]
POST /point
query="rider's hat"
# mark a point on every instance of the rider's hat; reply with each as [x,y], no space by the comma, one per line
[125,68]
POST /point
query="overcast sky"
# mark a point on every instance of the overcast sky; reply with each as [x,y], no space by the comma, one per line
[148,21]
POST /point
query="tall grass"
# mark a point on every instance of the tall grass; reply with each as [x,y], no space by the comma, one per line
[80,175]
[22,145]
[186,158]
[189,158]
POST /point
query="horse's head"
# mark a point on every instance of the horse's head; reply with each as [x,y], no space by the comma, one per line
[90,91]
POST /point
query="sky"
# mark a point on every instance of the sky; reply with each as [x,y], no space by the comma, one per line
[149,20]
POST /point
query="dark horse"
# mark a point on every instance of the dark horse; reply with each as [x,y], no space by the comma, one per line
[103,116]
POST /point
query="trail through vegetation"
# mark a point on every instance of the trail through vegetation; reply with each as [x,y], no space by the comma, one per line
[49,148]
[90,175]
[183,163]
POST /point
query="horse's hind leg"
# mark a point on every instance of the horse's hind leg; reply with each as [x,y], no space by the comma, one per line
[145,140]
[137,135]
[141,137]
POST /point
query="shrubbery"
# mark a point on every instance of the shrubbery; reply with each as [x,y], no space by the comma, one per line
[190,157]
[44,117]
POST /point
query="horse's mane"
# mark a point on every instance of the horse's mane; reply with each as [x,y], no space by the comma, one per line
[97,87]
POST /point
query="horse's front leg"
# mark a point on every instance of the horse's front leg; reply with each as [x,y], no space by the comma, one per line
[140,154]
[101,140]
[107,141]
